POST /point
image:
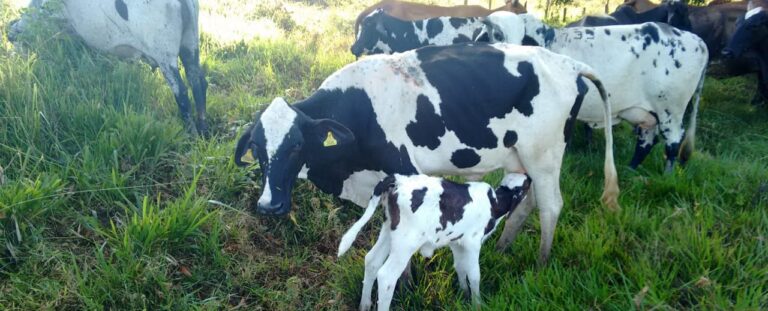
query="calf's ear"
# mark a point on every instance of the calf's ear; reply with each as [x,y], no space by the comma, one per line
[330,134]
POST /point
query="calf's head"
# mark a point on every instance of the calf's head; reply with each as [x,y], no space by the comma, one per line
[752,31]
[283,139]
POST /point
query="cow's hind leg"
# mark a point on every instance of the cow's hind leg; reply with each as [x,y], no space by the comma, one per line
[466,260]
[196,77]
[172,76]
[515,222]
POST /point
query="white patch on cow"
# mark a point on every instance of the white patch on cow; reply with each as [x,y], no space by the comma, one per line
[358,187]
[277,121]
[752,12]
[381,46]
[303,172]
[266,195]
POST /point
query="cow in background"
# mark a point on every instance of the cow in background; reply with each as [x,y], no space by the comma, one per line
[411,11]
[160,31]
[751,41]
[674,13]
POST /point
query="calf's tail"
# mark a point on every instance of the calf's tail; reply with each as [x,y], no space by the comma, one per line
[611,188]
[687,147]
[351,234]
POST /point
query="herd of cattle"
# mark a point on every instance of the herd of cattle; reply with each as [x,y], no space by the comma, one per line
[465,91]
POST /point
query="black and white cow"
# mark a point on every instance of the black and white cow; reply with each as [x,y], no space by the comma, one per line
[426,213]
[751,40]
[465,109]
[651,72]
[160,31]
[382,33]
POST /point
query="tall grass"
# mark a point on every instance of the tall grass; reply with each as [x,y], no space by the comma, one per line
[108,204]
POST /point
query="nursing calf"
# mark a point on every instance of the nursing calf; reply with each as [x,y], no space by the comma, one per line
[426,213]
[465,109]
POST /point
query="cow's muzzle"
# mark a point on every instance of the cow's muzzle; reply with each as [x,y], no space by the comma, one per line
[273,210]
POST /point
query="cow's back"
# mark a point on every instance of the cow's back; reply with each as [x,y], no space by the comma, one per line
[466,104]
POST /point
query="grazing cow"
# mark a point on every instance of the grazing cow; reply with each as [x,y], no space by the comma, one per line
[382,33]
[426,213]
[410,11]
[465,109]
[160,31]
[751,40]
[674,13]
[664,65]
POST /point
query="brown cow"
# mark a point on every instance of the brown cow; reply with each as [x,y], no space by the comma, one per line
[411,11]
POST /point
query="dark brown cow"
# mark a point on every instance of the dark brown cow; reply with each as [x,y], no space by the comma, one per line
[410,11]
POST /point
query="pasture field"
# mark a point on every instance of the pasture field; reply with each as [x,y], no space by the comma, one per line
[105,202]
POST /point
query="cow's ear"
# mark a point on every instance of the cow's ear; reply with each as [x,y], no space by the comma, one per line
[328,133]
[483,36]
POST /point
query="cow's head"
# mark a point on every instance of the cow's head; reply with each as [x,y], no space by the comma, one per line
[536,32]
[502,26]
[515,6]
[372,37]
[753,30]
[677,15]
[283,139]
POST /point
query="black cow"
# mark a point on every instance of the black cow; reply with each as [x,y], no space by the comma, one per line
[673,13]
[751,41]
[465,109]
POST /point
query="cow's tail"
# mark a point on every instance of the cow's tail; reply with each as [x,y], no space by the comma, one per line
[242,146]
[687,147]
[611,188]
[351,234]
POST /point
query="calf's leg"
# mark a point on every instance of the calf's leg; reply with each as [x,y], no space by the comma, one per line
[466,258]
[373,262]
[387,276]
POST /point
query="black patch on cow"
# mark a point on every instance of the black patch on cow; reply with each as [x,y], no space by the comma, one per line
[419,24]
[529,41]
[394,210]
[651,31]
[677,64]
[547,32]
[676,32]
[458,237]
[428,127]
[352,108]
[452,201]
[461,38]
[590,32]
[637,55]
[464,158]
[510,139]
[384,185]
[417,198]
[607,31]
[568,129]
[666,71]
[457,22]
[496,212]
[623,38]
[474,87]
[654,63]
[434,27]
[122,9]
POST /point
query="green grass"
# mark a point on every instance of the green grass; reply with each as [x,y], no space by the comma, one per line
[109,204]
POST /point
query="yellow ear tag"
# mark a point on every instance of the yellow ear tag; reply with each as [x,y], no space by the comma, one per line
[248,157]
[329,140]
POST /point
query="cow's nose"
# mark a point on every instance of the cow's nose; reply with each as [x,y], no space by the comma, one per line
[272,210]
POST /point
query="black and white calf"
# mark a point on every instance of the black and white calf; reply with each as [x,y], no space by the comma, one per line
[465,109]
[651,72]
[382,33]
[426,213]
[159,31]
